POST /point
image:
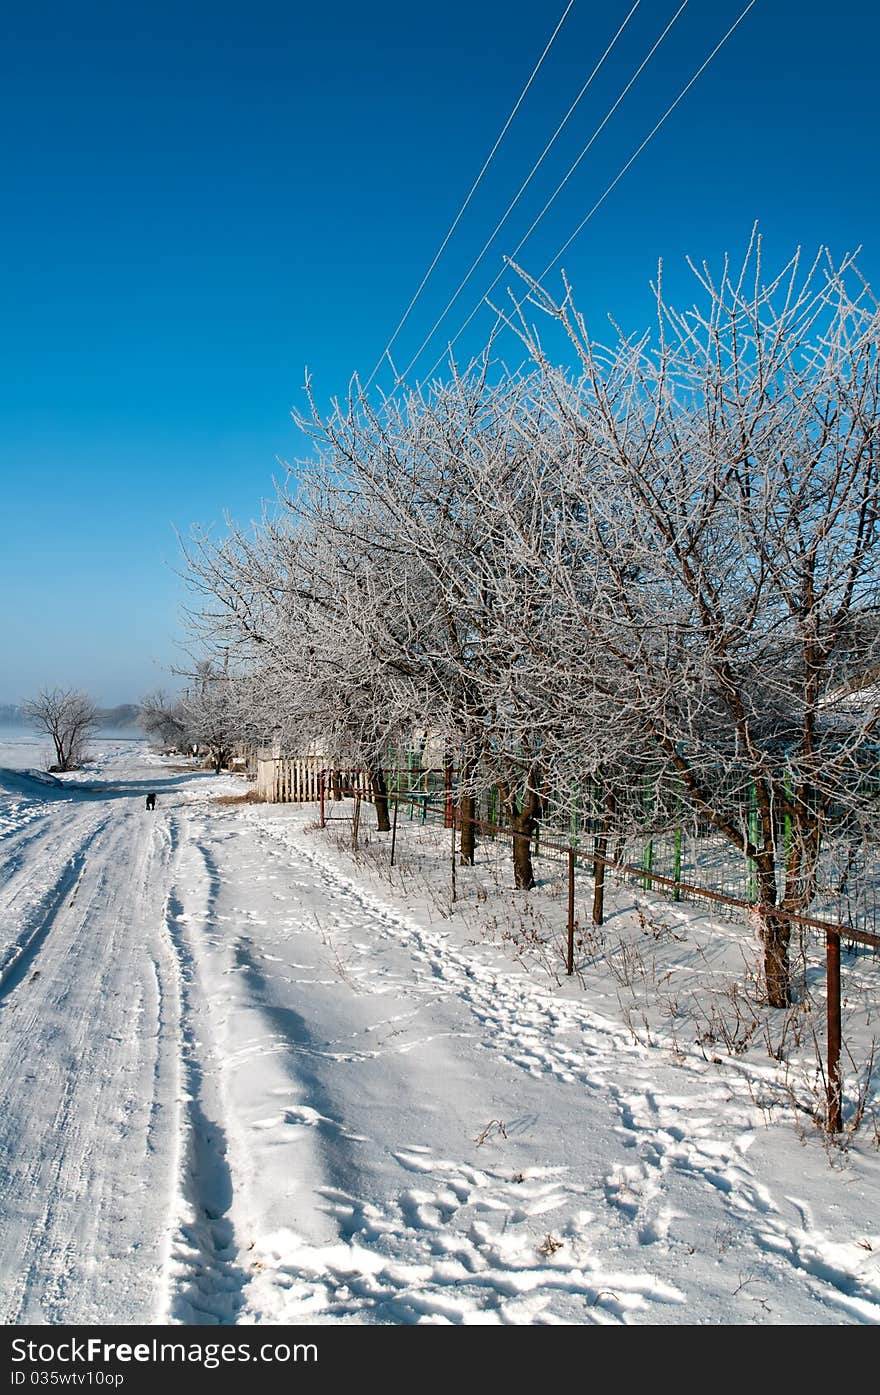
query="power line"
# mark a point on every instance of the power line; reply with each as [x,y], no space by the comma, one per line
[473,190]
[632,159]
[522,188]
[552,199]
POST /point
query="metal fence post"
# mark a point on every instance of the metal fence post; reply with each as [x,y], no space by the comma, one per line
[394,827]
[753,839]
[676,863]
[834,1121]
[569,965]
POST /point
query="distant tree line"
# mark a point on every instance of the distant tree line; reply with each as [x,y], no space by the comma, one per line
[117,718]
[211,716]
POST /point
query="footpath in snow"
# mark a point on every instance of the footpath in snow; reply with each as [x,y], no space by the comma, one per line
[245,1079]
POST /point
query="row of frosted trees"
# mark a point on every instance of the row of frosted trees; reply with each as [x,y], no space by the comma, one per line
[213,715]
[663,554]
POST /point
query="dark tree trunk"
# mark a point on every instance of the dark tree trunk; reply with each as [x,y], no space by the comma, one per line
[760,846]
[775,933]
[380,799]
[467,824]
[523,819]
[523,827]
[599,892]
[777,970]
[467,811]
[802,857]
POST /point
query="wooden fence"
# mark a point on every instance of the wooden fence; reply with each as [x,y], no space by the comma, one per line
[297,780]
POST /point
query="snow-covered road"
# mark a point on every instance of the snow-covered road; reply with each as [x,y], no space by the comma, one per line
[242,1081]
[89,1089]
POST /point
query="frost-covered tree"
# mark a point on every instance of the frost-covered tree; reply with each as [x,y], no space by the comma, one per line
[163,721]
[733,532]
[418,470]
[316,630]
[662,565]
[67,716]
[213,713]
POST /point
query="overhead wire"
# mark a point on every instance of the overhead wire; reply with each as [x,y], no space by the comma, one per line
[527,181]
[552,199]
[472,191]
[608,190]
[632,159]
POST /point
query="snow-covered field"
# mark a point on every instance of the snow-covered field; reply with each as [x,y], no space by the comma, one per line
[247,1078]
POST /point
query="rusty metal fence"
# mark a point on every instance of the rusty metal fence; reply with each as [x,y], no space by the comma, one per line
[430,795]
[665,841]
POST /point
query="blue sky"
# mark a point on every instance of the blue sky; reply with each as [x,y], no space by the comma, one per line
[200,200]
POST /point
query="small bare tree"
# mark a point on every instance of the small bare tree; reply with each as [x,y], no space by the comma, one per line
[163,721]
[67,716]
[211,713]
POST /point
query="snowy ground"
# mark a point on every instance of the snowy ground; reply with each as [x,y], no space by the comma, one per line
[246,1078]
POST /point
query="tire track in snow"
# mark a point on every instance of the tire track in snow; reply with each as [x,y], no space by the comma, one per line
[80,1134]
[48,903]
[203,1278]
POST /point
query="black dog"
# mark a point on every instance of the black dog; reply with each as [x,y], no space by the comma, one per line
[151,801]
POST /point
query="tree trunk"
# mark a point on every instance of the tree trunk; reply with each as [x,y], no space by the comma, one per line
[380,799]
[523,819]
[775,933]
[777,971]
[523,826]
[802,846]
[467,810]
[467,824]
[801,863]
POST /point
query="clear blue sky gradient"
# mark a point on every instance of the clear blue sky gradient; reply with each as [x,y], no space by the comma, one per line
[200,200]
